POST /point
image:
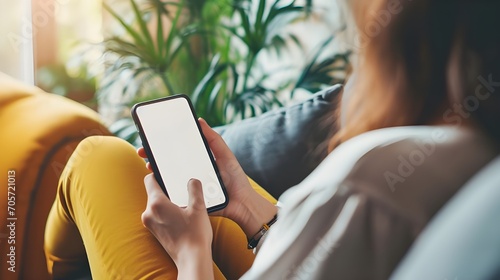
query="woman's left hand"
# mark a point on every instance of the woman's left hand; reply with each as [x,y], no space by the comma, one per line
[185,233]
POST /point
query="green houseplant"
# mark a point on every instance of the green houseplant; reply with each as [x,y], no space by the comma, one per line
[210,50]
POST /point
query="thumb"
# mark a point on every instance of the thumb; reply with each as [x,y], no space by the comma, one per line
[196,200]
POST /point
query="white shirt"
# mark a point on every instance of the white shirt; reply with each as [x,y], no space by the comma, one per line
[358,213]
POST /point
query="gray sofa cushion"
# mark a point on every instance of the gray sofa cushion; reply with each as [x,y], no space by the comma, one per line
[280,148]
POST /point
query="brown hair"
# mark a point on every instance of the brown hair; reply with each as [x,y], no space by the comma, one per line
[406,63]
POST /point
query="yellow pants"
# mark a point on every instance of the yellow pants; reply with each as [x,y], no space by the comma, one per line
[96,221]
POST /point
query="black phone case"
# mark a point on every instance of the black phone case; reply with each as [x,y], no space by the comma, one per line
[151,157]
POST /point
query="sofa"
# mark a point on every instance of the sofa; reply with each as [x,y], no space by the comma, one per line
[39,131]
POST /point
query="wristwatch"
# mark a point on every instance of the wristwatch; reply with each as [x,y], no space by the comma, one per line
[254,241]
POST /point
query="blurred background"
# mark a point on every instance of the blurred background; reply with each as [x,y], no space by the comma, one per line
[235,58]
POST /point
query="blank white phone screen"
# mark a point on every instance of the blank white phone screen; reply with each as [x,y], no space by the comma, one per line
[179,151]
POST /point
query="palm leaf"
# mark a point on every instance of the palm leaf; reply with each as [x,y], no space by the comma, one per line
[143,26]
[159,29]
[173,31]
[130,30]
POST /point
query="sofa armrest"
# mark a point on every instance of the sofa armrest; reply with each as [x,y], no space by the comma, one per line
[38,134]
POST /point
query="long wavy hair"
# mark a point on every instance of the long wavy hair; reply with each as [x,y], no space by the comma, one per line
[422,60]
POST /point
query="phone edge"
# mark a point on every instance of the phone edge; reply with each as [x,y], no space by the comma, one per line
[152,160]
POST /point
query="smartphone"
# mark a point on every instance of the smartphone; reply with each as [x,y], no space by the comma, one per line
[178,151]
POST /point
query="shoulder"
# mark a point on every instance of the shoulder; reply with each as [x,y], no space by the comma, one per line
[394,154]
[375,146]
[412,169]
[441,156]
[377,151]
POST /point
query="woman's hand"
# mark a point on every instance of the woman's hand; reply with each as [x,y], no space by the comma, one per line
[185,233]
[246,207]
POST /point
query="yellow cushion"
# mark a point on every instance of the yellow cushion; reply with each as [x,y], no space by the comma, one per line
[34,127]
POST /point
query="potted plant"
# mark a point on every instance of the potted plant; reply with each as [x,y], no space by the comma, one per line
[210,50]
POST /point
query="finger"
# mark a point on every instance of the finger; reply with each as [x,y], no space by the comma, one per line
[153,189]
[158,202]
[148,166]
[215,141]
[196,200]
[141,152]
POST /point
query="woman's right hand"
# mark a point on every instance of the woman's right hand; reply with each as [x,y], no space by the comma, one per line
[246,207]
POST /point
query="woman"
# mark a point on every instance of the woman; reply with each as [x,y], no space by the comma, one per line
[417,121]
